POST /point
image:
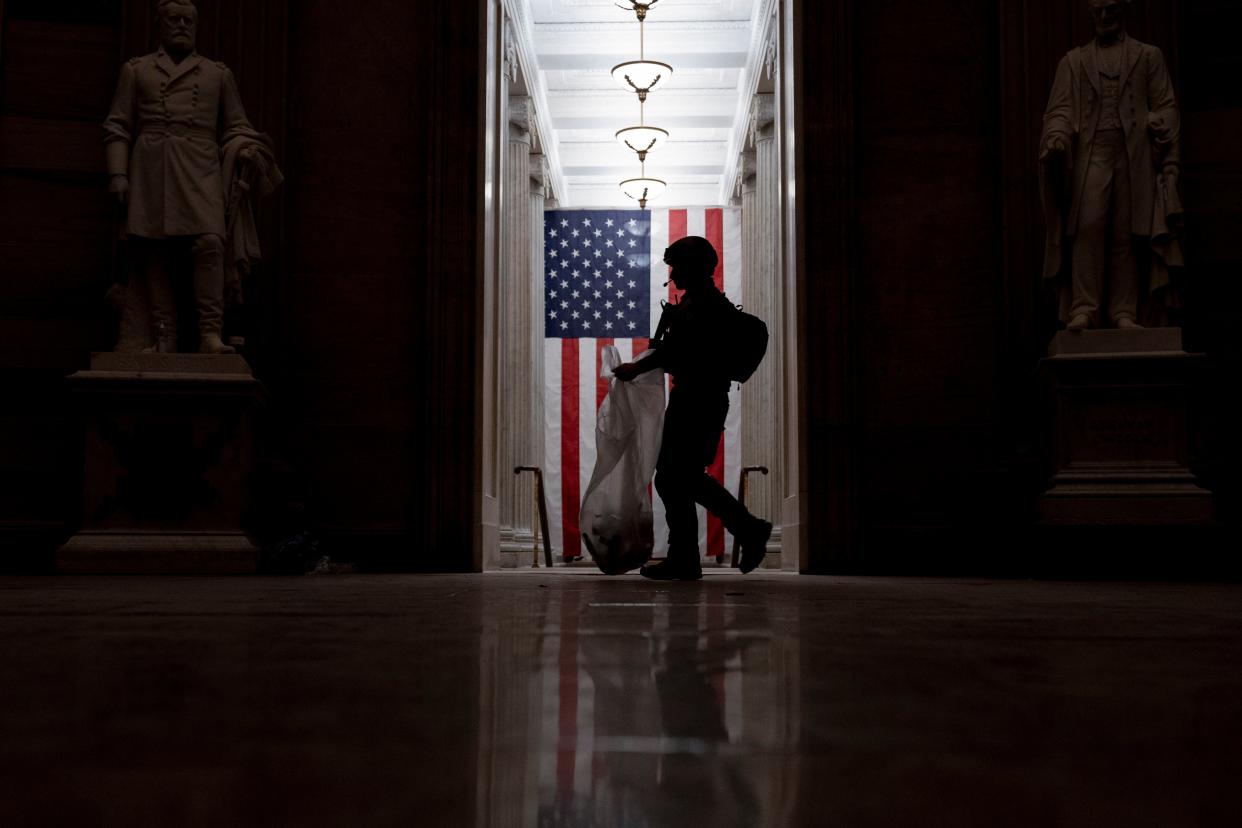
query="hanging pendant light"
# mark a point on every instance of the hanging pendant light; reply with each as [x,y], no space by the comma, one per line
[640,8]
[643,189]
[641,76]
[642,139]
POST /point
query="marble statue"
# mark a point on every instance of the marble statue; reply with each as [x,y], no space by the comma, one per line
[186,165]
[1109,169]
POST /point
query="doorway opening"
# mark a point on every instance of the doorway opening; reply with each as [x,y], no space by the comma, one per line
[573,266]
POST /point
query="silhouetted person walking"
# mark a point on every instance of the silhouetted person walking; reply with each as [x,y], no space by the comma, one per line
[689,349]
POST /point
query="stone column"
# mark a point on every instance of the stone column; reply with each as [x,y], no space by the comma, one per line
[538,184]
[762,399]
[520,423]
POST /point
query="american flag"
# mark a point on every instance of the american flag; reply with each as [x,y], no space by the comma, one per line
[604,280]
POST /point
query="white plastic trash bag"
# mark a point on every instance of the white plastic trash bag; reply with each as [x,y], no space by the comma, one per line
[616,519]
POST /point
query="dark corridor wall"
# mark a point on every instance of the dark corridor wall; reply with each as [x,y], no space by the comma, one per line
[379,305]
[926,268]
[57,70]
[923,237]
[923,311]
[362,320]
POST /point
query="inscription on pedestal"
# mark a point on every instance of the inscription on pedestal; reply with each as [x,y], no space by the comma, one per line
[1124,430]
[1122,403]
[1110,425]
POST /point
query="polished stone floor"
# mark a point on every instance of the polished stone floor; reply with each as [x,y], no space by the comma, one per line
[536,699]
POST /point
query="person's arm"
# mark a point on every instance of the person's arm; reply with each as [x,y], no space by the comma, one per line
[233,120]
[1058,129]
[1162,105]
[629,370]
[119,133]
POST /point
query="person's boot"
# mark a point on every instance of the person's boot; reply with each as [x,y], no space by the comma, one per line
[676,567]
[210,343]
[755,546]
[209,294]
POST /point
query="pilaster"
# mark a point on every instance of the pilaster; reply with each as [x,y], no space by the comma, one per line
[519,316]
[762,396]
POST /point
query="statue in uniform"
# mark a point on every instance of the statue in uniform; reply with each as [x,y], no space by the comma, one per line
[185,165]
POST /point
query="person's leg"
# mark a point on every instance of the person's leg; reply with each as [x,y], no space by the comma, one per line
[1122,267]
[720,502]
[711,411]
[682,564]
[675,489]
[674,483]
[1089,236]
[208,252]
[692,444]
[753,532]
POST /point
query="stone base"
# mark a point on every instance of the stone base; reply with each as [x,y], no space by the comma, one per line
[107,553]
[517,541]
[168,366]
[1116,342]
[1105,500]
[1121,402]
[168,459]
[522,560]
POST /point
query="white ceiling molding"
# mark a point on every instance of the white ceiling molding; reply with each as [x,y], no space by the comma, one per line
[763,29]
[595,60]
[617,94]
[589,10]
[518,13]
[709,4]
[709,46]
[615,122]
[655,27]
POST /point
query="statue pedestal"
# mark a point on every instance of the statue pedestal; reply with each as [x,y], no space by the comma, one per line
[168,459]
[1121,411]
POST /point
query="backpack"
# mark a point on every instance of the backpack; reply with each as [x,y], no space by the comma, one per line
[745,343]
[739,341]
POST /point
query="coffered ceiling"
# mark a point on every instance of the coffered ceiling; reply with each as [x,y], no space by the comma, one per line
[709,43]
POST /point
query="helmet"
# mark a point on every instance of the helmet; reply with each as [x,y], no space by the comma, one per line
[694,254]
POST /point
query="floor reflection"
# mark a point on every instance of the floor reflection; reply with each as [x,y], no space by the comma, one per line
[677,704]
[539,699]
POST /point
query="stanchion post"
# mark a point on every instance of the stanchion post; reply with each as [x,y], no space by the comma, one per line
[741,498]
[541,528]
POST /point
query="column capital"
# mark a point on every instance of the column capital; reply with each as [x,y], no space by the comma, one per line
[510,63]
[521,119]
[762,118]
[539,174]
[747,177]
[771,52]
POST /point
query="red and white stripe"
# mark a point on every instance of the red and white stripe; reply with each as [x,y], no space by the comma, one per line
[574,391]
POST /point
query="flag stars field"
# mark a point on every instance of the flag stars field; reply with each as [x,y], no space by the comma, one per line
[577,245]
